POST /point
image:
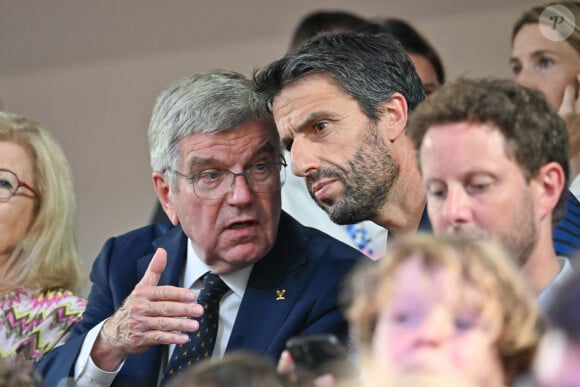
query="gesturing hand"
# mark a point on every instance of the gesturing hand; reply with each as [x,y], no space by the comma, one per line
[570,111]
[570,100]
[150,315]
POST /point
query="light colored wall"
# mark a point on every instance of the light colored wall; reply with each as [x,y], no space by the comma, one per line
[99,110]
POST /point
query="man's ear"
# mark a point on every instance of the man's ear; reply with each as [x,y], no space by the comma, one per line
[550,180]
[393,119]
[164,195]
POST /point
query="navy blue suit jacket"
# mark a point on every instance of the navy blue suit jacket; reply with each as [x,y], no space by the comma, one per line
[306,263]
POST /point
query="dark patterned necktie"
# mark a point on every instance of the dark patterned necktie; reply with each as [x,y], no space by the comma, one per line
[202,341]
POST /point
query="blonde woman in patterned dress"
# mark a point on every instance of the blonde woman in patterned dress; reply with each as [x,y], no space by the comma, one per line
[40,265]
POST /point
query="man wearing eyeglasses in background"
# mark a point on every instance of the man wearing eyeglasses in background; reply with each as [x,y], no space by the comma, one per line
[218,170]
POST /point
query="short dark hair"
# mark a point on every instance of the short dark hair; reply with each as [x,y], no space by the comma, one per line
[535,134]
[371,68]
[414,43]
[320,21]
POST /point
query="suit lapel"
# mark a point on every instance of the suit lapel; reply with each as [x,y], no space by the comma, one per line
[425,224]
[275,285]
[175,243]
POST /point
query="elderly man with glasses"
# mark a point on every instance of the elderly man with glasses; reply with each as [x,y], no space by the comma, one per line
[233,272]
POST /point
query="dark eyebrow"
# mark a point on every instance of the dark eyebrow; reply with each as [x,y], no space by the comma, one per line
[311,119]
[286,142]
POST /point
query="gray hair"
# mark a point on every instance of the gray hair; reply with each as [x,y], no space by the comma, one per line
[209,102]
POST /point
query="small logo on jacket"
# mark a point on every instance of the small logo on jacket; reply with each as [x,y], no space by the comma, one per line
[280,295]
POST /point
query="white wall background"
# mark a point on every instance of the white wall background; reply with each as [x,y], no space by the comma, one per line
[90,70]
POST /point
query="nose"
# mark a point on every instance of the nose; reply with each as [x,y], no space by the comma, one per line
[456,210]
[240,191]
[303,157]
[436,327]
[527,77]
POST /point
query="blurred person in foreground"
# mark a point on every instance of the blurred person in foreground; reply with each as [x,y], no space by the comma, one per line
[493,157]
[231,272]
[558,360]
[443,311]
[18,375]
[235,369]
[40,266]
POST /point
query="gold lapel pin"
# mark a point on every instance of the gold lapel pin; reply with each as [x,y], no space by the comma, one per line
[280,295]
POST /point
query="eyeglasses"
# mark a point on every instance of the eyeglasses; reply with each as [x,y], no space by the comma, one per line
[261,178]
[9,184]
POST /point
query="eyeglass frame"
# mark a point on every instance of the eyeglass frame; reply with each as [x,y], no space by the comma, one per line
[20,184]
[283,164]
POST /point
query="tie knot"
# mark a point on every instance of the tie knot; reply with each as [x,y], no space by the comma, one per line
[213,288]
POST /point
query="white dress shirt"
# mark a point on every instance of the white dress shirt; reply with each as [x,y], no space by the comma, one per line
[575,186]
[546,297]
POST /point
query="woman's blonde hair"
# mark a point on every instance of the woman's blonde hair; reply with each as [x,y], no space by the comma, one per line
[50,256]
[481,264]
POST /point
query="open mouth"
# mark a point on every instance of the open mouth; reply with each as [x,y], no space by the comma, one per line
[237,225]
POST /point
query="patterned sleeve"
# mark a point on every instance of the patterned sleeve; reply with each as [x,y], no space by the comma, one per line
[36,322]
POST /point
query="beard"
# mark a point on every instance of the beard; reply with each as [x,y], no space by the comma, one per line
[518,238]
[367,180]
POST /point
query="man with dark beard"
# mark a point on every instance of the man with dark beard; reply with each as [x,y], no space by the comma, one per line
[340,103]
[494,161]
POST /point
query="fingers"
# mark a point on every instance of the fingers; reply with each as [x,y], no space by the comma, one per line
[568,101]
[142,331]
[573,127]
[285,363]
[155,269]
[151,314]
[119,338]
[571,99]
[577,96]
[140,323]
[147,288]
[326,380]
[177,303]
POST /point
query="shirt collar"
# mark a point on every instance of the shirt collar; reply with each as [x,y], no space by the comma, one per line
[195,268]
[545,298]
